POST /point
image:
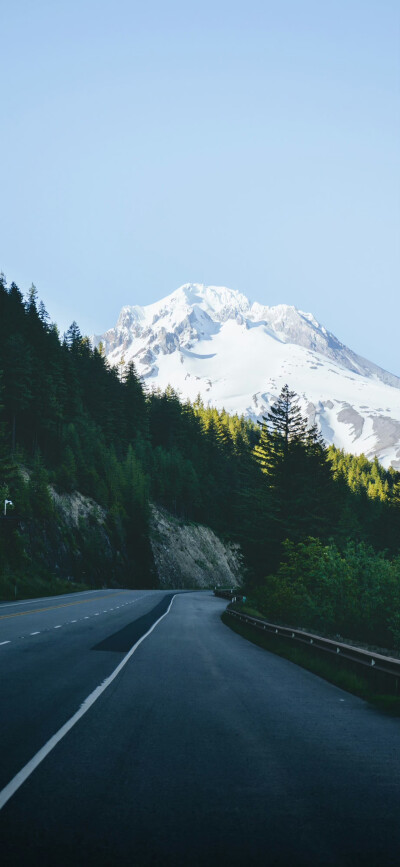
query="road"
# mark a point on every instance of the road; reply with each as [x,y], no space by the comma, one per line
[202,749]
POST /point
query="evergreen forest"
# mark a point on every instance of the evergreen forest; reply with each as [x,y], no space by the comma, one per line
[319,529]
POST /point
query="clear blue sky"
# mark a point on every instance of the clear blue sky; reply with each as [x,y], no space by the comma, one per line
[250,144]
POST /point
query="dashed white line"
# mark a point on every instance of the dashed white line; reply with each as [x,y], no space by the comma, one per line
[87,617]
[28,769]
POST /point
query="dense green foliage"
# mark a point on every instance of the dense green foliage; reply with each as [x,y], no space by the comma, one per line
[354,592]
[69,421]
[336,517]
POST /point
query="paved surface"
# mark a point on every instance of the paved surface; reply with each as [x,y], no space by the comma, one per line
[203,750]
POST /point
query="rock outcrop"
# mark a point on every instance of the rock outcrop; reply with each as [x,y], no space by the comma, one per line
[190,555]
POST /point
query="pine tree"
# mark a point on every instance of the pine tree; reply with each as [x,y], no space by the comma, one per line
[134,404]
[286,420]
[293,460]
[31,304]
[7,467]
[17,380]
[41,502]
[73,336]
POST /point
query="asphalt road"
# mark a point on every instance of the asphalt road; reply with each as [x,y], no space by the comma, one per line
[202,750]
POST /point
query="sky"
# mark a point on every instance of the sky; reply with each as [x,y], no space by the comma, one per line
[254,145]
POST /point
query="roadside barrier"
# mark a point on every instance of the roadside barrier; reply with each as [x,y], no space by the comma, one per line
[230,594]
[382,671]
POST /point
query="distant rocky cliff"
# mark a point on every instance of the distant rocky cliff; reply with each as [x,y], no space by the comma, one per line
[191,555]
[76,543]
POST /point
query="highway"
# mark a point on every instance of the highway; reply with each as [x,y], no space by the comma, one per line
[189,747]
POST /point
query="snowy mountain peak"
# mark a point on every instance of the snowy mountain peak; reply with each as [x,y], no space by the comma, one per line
[217,301]
[212,340]
[213,299]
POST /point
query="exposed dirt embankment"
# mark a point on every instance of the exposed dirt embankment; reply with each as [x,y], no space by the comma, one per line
[191,555]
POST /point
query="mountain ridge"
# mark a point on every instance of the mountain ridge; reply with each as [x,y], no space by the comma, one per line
[235,353]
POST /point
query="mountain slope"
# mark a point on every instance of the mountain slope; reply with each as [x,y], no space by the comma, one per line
[236,354]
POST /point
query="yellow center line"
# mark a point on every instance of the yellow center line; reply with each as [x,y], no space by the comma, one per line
[53,607]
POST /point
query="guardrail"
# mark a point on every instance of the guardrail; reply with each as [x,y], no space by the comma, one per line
[374,662]
[229,593]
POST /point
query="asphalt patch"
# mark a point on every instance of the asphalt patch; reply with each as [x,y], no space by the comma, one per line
[122,641]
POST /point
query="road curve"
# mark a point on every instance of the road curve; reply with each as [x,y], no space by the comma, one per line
[203,750]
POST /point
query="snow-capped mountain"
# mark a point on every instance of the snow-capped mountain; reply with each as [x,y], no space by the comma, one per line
[213,341]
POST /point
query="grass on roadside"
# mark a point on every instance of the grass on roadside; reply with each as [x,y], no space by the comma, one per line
[30,587]
[324,668]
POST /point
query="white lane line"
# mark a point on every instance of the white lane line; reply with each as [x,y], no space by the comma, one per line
[4,642]
[86,618]
[74,621]
[31,766]
[96,614]
[57,627]
[34,633]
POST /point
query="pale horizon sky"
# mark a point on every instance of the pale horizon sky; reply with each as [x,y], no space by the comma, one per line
[252,145]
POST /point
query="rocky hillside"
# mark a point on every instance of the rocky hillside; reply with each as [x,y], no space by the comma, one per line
[74,545]
[191,555]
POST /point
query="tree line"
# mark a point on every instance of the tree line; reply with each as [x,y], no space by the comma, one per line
[71,421]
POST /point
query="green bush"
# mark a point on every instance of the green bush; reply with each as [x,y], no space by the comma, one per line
[355,593]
